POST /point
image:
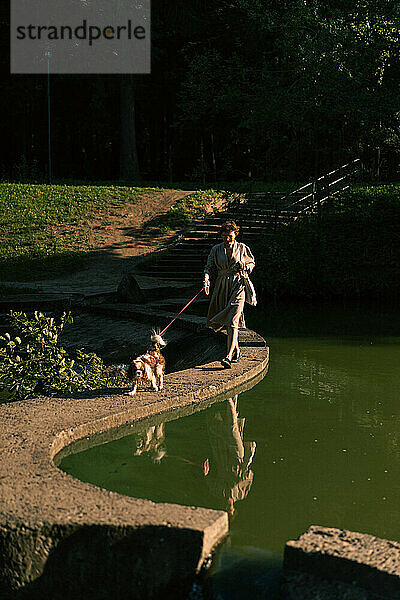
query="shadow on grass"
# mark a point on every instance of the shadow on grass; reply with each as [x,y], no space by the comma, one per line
[152,231]
[42,267]
[32,268]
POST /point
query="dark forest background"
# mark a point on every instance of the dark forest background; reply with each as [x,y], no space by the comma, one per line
[265,89]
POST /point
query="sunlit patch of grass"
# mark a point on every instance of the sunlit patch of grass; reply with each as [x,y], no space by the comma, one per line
[43,225]
[194,206]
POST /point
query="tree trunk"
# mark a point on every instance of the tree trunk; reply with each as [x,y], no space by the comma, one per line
[170,164]
[213,158]
[202,162]
[129,164]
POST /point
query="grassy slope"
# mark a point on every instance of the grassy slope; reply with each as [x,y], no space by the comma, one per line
[31,216]
[44,228]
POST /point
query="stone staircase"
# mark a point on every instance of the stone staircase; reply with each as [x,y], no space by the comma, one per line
[257,214]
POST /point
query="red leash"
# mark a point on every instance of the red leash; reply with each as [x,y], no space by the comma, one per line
[205,287]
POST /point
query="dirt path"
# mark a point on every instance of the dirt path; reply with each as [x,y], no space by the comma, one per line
[129,232]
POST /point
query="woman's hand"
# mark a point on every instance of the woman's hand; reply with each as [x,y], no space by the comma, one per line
[206,283]
[242,268]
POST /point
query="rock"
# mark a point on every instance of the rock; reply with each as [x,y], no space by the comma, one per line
[358,559]
[129,291]
[303,586]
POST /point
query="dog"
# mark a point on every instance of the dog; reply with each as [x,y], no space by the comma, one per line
[148,367]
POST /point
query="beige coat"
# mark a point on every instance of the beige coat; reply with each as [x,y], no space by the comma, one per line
[229,475]
[227,300]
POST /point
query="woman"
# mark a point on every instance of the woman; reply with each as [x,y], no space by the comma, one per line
[232,261]
[229,474]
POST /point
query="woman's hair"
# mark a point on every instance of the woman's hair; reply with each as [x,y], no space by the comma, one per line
[229,226]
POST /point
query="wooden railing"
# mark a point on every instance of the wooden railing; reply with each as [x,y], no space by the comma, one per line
[309,197]
[313,194]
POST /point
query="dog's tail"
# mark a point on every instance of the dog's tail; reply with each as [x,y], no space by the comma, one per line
[157,339]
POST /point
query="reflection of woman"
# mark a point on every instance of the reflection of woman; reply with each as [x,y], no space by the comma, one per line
[229,471]
[232,261]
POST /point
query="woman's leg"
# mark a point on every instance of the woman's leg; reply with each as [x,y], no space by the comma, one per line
[229,331]
[233,341]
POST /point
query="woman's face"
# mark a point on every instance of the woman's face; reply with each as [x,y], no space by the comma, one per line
[228,237]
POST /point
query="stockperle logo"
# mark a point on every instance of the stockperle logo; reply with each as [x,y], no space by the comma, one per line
[80,36]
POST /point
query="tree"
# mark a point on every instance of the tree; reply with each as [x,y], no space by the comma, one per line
[129,163]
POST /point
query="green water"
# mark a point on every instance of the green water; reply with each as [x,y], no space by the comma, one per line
[317,441]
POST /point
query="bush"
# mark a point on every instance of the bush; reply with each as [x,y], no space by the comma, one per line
[194,206]
[32,363]
[353,250]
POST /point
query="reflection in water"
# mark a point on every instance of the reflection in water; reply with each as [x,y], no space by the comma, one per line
[229,473]
[152,442]
[226,465]
[326,420]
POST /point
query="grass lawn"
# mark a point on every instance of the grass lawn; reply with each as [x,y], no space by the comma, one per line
[45,229]
[43,226]
[242,186]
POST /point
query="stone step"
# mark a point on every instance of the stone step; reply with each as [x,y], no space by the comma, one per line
[242,214]
[193,258]
[190,253]
[212,235]
[185,261]
[244,220]
[193,253]
[260,204]
[248,225]
[168,268]
[174,265]
[213,231]
[179,253]
[187,256]
[245,230]
[183,277]
[196,243]
[245,207]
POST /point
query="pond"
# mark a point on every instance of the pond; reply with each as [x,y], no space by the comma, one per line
[317,441]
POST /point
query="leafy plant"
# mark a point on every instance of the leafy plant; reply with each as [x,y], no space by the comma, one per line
[194,206]
[352,250]
[33,363]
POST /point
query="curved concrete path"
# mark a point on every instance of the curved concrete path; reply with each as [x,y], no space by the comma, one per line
[62,538]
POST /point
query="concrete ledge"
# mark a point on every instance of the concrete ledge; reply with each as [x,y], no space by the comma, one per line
[362,560]
[62,538]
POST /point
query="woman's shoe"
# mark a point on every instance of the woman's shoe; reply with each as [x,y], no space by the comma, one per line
[236,356]
[226,363]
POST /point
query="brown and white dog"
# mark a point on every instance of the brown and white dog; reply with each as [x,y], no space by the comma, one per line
[148,367]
